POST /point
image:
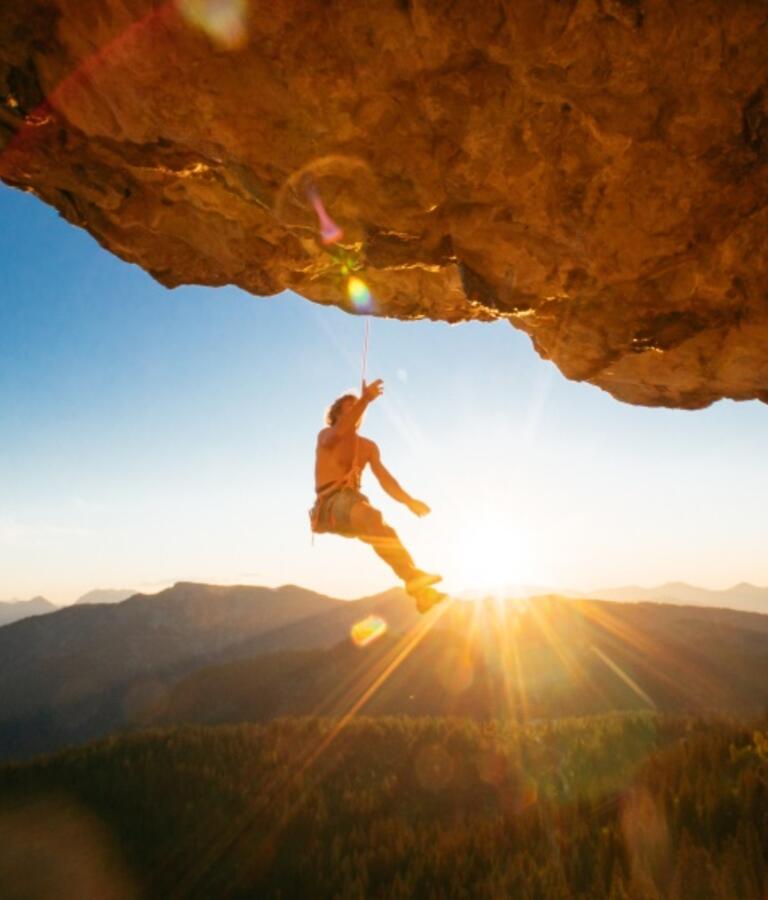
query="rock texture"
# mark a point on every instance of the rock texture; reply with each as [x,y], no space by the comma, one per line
[593,171]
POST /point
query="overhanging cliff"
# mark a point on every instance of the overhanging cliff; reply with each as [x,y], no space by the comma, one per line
[594,172]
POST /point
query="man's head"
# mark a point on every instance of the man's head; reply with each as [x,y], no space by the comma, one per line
[338,407]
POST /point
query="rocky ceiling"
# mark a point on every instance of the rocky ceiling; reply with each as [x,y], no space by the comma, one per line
[593,171]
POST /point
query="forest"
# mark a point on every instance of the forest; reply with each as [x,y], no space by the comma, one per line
[625,806]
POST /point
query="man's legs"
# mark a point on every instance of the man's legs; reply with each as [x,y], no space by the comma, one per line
[368,525]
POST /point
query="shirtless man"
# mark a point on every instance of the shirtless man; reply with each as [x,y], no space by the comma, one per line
[341,456]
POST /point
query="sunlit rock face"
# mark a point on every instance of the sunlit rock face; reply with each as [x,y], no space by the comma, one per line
[594,172]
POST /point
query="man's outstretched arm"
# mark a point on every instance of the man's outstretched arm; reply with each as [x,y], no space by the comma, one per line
[348,419]
[391,486]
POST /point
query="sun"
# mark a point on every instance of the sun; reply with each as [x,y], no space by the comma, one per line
[490,555]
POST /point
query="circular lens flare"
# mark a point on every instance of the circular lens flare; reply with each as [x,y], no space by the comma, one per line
[358,293]
[367,630]
[224,21]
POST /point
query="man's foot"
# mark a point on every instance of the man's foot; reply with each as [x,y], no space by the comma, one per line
[427,598]
[420,581]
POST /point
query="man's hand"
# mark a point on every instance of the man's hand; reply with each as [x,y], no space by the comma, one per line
[418,508]
[373,390]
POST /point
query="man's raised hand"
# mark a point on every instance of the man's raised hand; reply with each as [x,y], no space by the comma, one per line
[418,508]
[373,390]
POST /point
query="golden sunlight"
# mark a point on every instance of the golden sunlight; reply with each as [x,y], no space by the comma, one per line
[490,555]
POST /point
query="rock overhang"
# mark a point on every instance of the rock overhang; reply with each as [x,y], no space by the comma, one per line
[592,171]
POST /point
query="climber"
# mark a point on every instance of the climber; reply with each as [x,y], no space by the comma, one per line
[342,455]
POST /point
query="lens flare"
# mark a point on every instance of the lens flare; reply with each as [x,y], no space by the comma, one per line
[330,232]
[367,630]
[455,671]
[222,20]
[358,293]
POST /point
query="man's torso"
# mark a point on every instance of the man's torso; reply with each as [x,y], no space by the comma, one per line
[340,458]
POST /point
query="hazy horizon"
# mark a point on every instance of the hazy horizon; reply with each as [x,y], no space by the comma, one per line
[468,590]
[154,436]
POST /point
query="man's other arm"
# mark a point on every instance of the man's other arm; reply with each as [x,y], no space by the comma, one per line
[390,484]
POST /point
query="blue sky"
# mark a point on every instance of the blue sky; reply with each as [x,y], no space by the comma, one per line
[150,436]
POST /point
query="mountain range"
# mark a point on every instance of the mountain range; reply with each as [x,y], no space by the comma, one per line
[744,596]
[108,595]
[84,669]
[202,653]
[13,610]
[547,658]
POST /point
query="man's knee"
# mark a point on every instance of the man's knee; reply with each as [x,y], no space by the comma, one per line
[366,520]
[378,528]
[375,529]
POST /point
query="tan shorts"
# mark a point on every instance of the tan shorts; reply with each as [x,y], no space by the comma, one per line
[331,512]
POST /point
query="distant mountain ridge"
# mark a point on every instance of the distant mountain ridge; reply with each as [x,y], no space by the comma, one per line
[106,595]
[14,610]
[743,596]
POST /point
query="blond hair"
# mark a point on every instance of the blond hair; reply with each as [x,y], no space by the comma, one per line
[332,413]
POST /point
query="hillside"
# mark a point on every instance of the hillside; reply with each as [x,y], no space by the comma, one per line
[550,658]
[83,669]
[197,653]
[635,807]
[328,627]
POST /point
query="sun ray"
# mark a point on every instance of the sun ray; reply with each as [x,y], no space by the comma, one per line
[269,792]
[518,668]
[674,666]
[619,672]
[502,621]
[566,656]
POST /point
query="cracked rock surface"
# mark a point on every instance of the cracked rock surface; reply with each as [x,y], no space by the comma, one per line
[593,171]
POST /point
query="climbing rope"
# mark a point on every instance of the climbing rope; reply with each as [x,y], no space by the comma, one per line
[366,343]
[363,374]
